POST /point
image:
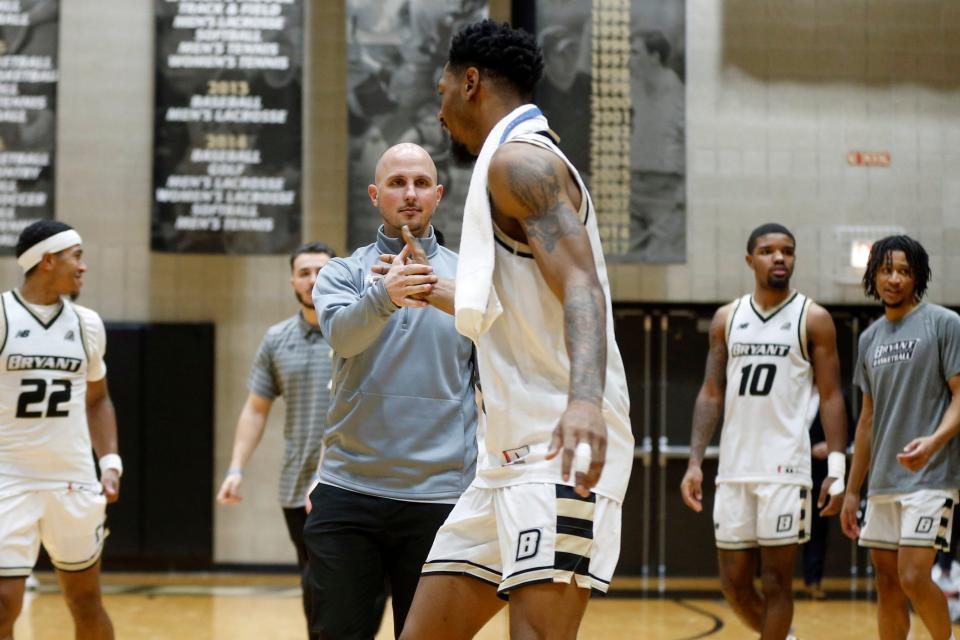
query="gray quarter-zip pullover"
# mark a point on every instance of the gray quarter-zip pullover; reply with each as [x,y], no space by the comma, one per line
[403,416]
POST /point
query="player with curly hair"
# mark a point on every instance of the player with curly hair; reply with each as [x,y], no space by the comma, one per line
[539,525]
[909,372]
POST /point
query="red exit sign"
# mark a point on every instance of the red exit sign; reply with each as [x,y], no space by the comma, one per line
[868,158]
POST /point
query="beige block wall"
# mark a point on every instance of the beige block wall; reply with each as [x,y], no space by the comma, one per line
[778,91]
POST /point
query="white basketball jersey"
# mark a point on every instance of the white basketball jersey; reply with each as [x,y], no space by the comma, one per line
[43,386]
[771,399]
[525,371]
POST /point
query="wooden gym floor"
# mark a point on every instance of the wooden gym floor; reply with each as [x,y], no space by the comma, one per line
[259,607]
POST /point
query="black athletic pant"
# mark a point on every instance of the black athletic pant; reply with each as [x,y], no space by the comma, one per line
[296,518]
[355,542]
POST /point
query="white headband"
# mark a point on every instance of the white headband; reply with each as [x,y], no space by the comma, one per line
[55,243]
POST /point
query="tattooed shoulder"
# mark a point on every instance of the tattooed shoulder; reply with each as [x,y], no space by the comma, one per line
[535,186]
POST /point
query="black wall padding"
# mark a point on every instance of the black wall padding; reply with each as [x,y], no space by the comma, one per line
[161,380]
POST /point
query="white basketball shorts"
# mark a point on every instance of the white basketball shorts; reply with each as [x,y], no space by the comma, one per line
[919,519]
[69,523]
[760,514]
[527,534]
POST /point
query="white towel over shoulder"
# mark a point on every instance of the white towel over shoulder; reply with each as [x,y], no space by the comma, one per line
[475,301]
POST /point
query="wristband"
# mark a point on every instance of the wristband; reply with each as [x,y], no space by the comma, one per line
[837,469]
[111,461]
[235,472]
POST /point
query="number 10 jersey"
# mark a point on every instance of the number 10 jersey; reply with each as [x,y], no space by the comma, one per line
[44,367]
[770,399]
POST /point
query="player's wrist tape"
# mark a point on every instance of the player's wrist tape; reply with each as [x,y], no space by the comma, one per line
[235,472]
[836,468]
[581,459]
[111,461]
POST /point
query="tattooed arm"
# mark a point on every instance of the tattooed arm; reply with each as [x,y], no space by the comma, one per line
[708,409]
[532,188]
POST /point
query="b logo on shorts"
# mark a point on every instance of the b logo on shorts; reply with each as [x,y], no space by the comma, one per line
[528,544]
[925,525]
[784,522]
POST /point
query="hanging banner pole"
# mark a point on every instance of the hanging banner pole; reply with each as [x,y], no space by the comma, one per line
[613,89]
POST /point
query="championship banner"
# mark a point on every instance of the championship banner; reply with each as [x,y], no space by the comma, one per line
[396,50]
[28,101]
[613,89]
[228,128]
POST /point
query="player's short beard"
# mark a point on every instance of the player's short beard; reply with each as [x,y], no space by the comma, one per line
[778,283]
[461,155]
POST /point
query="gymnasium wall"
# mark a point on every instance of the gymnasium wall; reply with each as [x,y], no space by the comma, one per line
[778,92]
[104,183]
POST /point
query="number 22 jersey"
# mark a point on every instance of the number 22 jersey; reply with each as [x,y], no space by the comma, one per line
[770,399]
[45,363]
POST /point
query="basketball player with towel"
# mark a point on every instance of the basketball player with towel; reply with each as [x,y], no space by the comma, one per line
[53,405]
[540,524]
[772,362]
[909,373]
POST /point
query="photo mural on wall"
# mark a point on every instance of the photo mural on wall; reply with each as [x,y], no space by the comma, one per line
[396,50]
[613,89]
[228,127]
[29,73]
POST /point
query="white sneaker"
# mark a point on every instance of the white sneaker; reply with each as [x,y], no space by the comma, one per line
[953,605]
[32,583]
[947,585]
